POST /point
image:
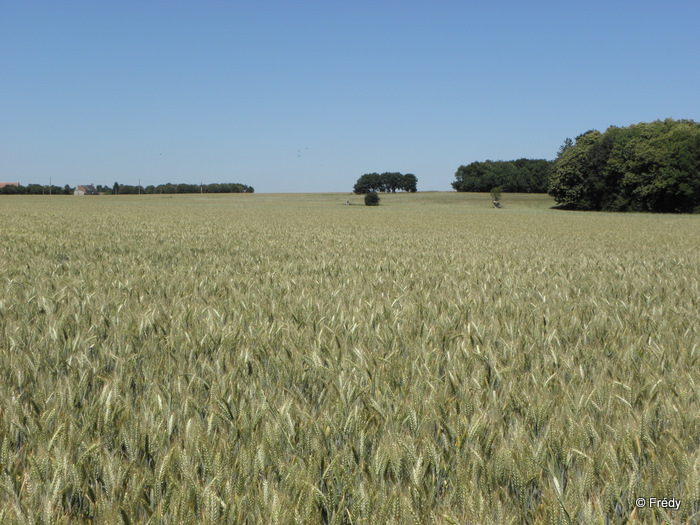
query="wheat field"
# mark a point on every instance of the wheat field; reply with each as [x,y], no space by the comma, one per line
[290,359]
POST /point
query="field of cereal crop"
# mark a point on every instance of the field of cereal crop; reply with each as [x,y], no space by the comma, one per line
[290,359]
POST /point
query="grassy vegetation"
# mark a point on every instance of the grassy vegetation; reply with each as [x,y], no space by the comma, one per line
[290,359]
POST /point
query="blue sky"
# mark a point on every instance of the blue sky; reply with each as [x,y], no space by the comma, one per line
[307,96]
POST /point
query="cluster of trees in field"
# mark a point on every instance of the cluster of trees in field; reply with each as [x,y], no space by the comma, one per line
[517,176]
[36,189]
[644,167]
[386,182]
[227,187]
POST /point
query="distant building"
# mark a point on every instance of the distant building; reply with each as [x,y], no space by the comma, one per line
[3,184]
[86,189]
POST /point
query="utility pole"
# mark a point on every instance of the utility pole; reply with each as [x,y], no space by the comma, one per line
[49,185]
[139,186]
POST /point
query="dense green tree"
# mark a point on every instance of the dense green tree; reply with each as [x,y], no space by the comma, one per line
[476,176]
[644,167]
[368,182]
[392,181]
[569,180]
[386,182]
[518,176]
[371,198]
[11,189]
[568,143]
[127,189]
[36,189]
[410,183]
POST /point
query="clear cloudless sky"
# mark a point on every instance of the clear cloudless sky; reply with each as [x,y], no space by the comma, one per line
[306,96]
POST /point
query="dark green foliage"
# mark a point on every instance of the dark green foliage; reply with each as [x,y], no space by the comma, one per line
[518,176]
[371,198]
[35,189]
[125,189]
[10,190]
[228,187]
[386,182]
[410,183]
[496,193]
[644,167]
[368,182]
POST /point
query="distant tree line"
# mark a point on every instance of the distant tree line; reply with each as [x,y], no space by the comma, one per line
[386,182]
[644,167]
[228,187]
[516,176]
[125,189]
[36,189]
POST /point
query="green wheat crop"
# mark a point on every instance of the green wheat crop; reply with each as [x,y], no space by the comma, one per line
[289,359]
